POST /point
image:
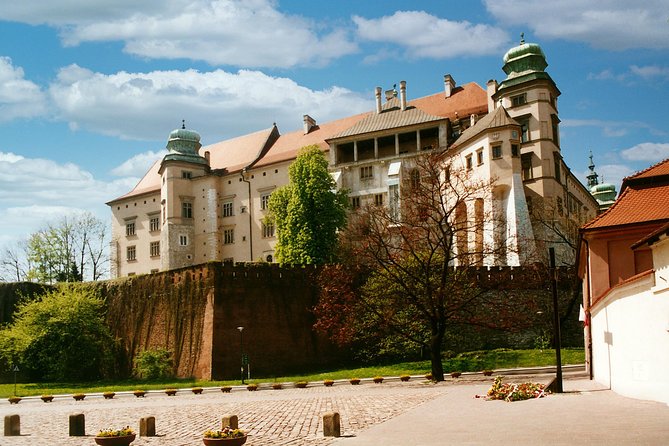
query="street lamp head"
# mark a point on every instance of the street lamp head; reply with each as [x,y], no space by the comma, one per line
[240,328]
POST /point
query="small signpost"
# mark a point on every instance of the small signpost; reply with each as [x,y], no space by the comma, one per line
[16,369]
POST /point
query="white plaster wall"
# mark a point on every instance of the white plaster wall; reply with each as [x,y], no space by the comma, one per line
[630,341]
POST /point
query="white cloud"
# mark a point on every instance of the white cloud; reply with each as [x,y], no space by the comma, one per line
[36,190]
[248,33]
[614,174]
[424,35]
[218,104]
[608,24]
[651,71]
[611,128]
[647,151]
[138,165]
[19,97]
[606,75]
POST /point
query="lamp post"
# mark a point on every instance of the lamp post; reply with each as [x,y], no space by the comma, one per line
[556,322]
[241,344]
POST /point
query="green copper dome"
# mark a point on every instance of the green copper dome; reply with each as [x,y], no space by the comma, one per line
[524,58]
[183,145]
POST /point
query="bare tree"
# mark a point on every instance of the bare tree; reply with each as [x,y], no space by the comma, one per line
[14,265]
[403,277]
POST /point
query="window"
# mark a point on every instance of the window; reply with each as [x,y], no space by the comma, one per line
[154,249]
[187,210]
[415,178]
[520,99]
[366,173]
[479,156]
[558,164]
[186,174]
[154,224]
[264,201]
[559,206]
[468,162]
[227,209]
[394,201]
[497,151]
[515,150]
[378,199]
[355,202]
[228,236]
[229,260]
[556,132]
[183,240]
[267,230]
[525,130]
[131,253]
[526,165]
[130,228]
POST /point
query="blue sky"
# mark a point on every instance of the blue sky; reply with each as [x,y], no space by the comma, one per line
[89,90]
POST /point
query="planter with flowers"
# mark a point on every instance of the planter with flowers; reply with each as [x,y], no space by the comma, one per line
[378,379]
[115,437]
[170,392]
[301,384]
[354,381]
[226,389]
[196,390]
[405,378]
[252,387]
[428,376]
[14,399]
[487,373]
[108,395]
[47,398]
[225,437]
[275,386]
[455,374]
[79,396]
[139,393]
[328,383]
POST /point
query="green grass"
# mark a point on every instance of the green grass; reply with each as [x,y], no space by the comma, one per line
[463,362]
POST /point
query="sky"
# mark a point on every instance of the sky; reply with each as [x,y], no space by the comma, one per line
[90,90]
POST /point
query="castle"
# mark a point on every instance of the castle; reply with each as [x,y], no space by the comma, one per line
[201,204]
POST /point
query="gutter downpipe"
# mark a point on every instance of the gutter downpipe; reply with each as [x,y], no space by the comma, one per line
[588,322]
[243,176]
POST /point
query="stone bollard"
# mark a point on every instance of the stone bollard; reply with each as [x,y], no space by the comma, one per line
[147,427]
[230,421]
[331,425]
[12,425]
[77,425]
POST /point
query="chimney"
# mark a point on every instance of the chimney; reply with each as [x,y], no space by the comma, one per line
[390,94]
[403,95]
[449,85]
[472,120]
[309,123]
[378,100]
[491,89]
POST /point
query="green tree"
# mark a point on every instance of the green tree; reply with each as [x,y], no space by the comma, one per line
[400,278]
[60,336]
[308,212]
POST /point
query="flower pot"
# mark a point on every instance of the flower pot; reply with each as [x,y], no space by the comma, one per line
[487,373]
[115,441]
[226,389]
[14,400]
[301,384]
[378,380]
[455,374]
[328,383]
[354,381]
[196,390]
[78,396]
[237,441]
[405,378]
[108,395]
[139,393]
[47,398]
[170,392]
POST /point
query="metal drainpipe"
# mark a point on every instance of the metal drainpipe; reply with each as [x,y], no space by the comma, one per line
[588,320]
[243,173]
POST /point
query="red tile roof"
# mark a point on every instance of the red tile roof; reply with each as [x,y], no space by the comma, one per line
[237,153]
[641,203]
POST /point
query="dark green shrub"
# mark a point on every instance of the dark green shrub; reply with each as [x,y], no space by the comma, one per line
[154,364]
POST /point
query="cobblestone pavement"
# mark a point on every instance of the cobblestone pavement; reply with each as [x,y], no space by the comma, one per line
[272,417]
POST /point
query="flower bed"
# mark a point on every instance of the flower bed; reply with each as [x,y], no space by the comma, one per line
[515,392]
